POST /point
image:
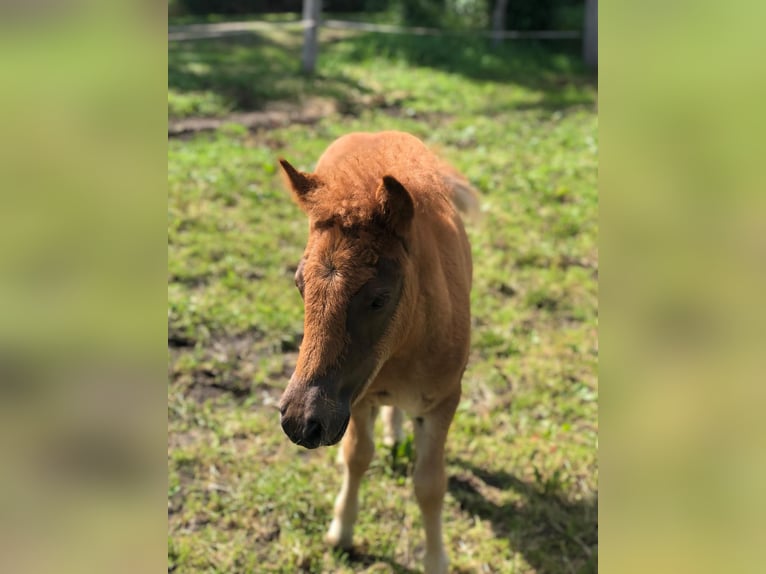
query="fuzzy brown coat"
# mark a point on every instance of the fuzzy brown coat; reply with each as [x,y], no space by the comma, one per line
[383,226]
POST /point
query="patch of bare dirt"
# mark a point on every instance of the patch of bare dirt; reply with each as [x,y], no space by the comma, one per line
[240,366]
[275,114]
[309,111]
[183,439]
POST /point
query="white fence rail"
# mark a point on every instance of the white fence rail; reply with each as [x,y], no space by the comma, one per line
[311,22]
[418,31]
[202,31]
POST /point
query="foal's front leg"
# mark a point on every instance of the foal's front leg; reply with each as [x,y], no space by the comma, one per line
[430,479]
[358,447]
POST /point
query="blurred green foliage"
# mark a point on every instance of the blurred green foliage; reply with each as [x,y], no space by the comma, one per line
[452,14]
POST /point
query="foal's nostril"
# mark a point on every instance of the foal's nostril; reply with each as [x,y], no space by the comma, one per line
[287,427]
[313,435]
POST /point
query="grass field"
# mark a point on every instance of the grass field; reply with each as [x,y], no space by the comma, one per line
[522,453]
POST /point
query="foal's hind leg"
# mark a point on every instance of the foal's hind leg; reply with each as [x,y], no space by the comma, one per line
[358,448]
[430,479]
[392,425]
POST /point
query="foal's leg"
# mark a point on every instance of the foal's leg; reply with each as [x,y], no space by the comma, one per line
[392,425]
[357,447]
[430,479]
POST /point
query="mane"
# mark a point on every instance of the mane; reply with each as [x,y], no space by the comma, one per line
[352,169]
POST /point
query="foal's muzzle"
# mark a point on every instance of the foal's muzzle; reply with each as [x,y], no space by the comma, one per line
[312,422]
[313,432]
[304,433]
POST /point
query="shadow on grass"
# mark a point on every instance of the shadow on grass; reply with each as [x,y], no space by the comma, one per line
[554,69]
[249,70]
[553,534]
[362,559]
[530,63]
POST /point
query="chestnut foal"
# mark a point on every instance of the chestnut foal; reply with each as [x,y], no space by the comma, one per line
[386,280]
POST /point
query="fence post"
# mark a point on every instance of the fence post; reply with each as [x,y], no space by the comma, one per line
[498,21]
[311,14]
[590,35]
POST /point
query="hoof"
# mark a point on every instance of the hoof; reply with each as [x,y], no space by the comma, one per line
[337,537]
[391,441]
[436,564]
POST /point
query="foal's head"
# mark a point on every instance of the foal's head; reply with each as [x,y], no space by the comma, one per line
[352,280]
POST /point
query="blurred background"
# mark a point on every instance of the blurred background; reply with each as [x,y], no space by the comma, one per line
[100,432]
[506,92]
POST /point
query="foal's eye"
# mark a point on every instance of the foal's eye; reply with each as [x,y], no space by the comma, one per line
[379,301]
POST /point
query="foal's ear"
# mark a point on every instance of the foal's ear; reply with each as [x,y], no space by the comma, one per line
[395,203]
[301,184]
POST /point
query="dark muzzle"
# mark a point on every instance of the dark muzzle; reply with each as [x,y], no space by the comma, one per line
[310,420]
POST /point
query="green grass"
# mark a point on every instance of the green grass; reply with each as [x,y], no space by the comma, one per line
[245,72]
[522,450]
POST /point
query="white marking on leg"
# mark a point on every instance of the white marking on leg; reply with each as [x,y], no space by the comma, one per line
[357,448]
[430,480]
[341,531]
[430,484]
[392,425]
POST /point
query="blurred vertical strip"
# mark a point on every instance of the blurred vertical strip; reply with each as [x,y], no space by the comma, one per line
[590,35]
[683,277]
[82,286]
[312,14]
